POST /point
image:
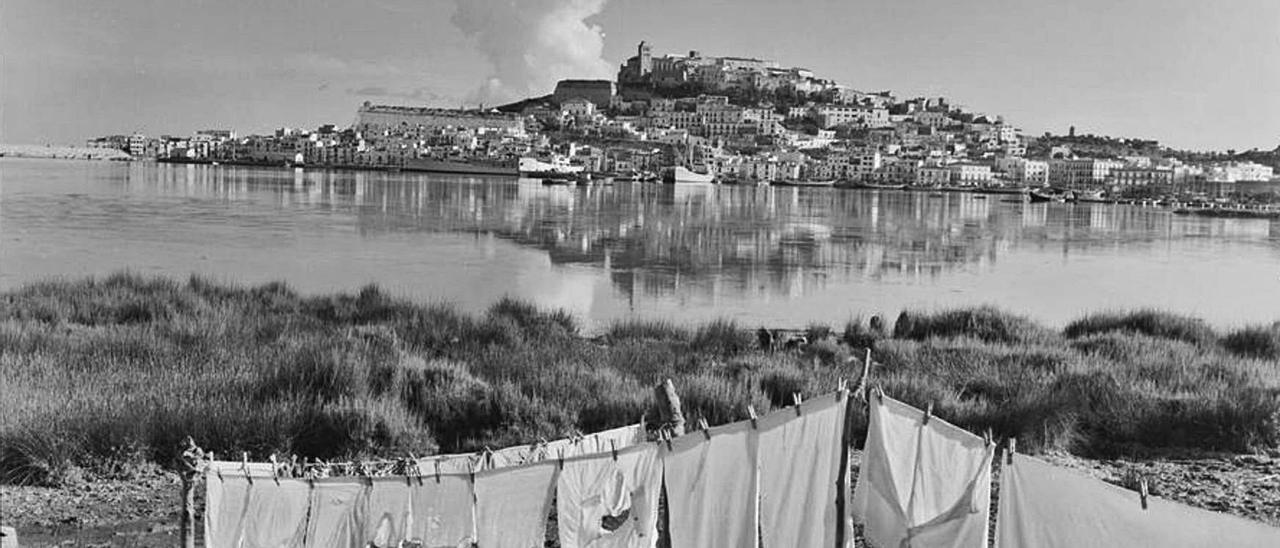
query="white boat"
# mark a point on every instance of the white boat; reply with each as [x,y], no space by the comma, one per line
[558,165]
[681,175]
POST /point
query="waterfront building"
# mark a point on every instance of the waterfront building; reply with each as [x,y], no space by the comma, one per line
[1023,170]
[1142,176]
[970,174]
[1080,171]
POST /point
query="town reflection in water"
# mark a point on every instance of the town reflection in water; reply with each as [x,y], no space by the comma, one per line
[738,242]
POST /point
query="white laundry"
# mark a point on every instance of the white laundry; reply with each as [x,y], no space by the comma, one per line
[1042,505]
[600,442]
[388,512]
[338,513]
[226,499]
[712,488]
[276,514]
[922,484]
[443,510]
[512,504]
[799,466]
[603,502]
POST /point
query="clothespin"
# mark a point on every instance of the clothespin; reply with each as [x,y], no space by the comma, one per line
[706,429]
[751,412]
[796,399]
[275,468]
[666,435]
[879,393]
[560,457]
[987,436]
[928,413]
[437,463]
[1142,491]
[216,469]
[842,386]
[613,447]
[244,466]
[1013,448]
[642,427]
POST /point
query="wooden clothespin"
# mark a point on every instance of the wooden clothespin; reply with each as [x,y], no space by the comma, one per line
[666,436]
[706,429]
[928,413]
[988,437]
[1013,448]
[796,400]
[244,466]
[879,393]
[275,468]
[755,419]
[560,457]
[613,447]
[842,386]
[216,469]
[1142,491]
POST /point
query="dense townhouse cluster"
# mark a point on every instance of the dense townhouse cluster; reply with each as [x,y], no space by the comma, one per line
[734,117]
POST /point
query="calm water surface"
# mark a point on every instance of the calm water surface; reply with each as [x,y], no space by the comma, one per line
[772,256]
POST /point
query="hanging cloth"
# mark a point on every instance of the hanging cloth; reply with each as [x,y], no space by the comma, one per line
[603,502]
[923,484]
[799,467]
[1045,506]
[712,488]
[512,504]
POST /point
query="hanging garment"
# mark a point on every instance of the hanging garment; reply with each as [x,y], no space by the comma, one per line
[603,502]
[276,514]
[712,488]
[458,463]
[1042,505]
[799,467]
[388,512]
[226,499]
[922,484]
[512,504]
[443,510]
[338,508]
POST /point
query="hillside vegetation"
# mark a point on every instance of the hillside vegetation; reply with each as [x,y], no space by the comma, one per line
[99,374]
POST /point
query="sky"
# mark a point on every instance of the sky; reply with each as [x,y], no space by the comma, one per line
[1191,74]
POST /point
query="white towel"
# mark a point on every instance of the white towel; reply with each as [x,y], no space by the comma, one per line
[512,504]
[443,510]
[712,488]
[337,513]
[225,503]
[921,484]
[1046,506]
[799,466]
[595,488]
[388,512]
[276,516]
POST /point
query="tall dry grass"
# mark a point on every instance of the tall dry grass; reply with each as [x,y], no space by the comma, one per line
[99,372]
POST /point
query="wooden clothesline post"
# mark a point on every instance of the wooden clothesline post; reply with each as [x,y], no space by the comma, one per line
[669,405]
[191,461]
[846,442]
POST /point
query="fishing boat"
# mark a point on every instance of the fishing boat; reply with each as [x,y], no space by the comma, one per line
[684,175]
[805,182]
[878,186]
[1038,196]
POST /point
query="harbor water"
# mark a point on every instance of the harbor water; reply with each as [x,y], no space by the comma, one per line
[780,257]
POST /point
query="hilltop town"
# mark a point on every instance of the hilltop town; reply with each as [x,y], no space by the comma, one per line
[739,120]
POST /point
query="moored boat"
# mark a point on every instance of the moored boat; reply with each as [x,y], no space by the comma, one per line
[804,182]
[681,175]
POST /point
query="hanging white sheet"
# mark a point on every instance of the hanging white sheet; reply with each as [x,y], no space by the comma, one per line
[922,484]
[1045,506]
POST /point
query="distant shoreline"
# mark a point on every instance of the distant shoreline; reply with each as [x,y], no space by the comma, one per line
[62,152]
